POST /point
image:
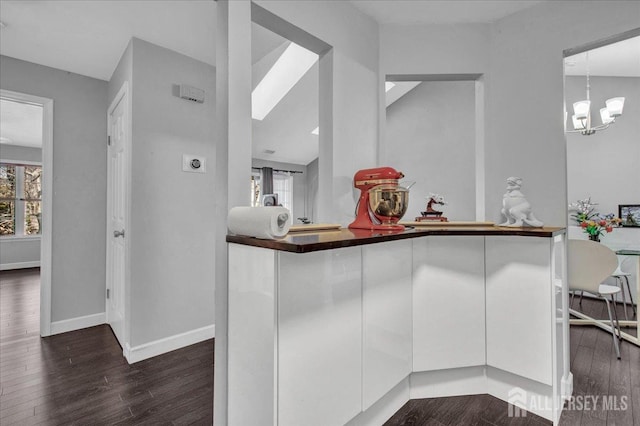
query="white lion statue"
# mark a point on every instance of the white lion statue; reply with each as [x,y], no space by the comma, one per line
[515,206]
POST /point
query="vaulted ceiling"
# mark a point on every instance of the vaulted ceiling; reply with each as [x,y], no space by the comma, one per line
[89,37]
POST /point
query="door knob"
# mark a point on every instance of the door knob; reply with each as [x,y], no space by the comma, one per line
[117,234]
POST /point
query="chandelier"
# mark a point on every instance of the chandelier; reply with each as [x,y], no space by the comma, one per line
[582,112]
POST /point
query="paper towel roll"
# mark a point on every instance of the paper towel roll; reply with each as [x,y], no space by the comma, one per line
[260,222]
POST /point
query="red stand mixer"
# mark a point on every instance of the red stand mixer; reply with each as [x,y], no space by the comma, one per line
[382,201]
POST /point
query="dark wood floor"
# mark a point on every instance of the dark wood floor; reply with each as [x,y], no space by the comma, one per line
[81,377]
[596,372]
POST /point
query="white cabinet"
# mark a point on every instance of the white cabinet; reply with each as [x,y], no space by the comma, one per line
[346,335]
[519,306]
[251,372]
[319,336]
[386,305]
[448,302]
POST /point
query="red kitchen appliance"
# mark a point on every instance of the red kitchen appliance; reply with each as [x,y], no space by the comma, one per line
[382,201]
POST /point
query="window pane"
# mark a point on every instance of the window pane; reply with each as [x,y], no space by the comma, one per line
[32,183]
[283,186]
[7,181]
[7,215]
[255,190]
[32,216]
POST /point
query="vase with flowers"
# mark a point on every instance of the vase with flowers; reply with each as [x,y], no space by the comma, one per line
[597,226]
[593,223]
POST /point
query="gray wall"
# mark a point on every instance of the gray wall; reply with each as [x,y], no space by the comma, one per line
[525,135]
[298,209]
[604,166]
[353,97]
[172,235]
[431,134]
[79,182]
[122,73]
[520,57]
[19,253]
[16,253]
[20,153]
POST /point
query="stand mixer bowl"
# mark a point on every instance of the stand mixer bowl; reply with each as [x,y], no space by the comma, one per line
[388,203]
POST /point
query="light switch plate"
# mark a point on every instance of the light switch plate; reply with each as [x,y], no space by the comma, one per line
[194,163]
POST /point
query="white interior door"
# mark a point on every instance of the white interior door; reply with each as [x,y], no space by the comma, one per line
[117,205]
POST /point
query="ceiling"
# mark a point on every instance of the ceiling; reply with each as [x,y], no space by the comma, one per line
[88,37]
[621,59]
[440,12]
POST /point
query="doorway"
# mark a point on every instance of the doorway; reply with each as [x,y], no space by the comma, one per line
[41,217]
[601,91]
[422,115]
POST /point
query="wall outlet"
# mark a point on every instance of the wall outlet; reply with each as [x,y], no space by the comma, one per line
[194,163]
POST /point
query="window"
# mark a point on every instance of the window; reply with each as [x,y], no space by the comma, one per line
[20,199]
[255,189]
[282,185]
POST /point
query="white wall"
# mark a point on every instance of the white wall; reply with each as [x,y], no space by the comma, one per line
[79,182]
[19,252]
[431,132]
[172,236]
[604,166]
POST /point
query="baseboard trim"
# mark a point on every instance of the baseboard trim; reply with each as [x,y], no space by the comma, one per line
[449,382]
[20,265]
[385,407]
[78,323]
[158,347]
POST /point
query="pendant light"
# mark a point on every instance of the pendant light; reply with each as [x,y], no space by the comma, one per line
[582,111]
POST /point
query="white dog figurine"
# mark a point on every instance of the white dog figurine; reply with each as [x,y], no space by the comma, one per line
[515,206]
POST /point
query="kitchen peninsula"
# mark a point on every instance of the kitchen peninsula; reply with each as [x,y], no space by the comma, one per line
[343,327]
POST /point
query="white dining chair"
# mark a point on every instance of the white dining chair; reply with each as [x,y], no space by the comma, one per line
[619,274]
[589,263]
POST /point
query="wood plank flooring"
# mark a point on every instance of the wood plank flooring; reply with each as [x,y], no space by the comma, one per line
[596,372]
[81,378]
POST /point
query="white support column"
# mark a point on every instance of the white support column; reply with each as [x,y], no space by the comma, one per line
[479,145]
[233,161]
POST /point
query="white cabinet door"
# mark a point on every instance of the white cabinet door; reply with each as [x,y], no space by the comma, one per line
[251,341]
[319,337]
[448,302]
[387,317]
[519,319]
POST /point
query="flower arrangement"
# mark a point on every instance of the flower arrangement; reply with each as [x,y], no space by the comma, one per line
[592,222]
[598,225]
